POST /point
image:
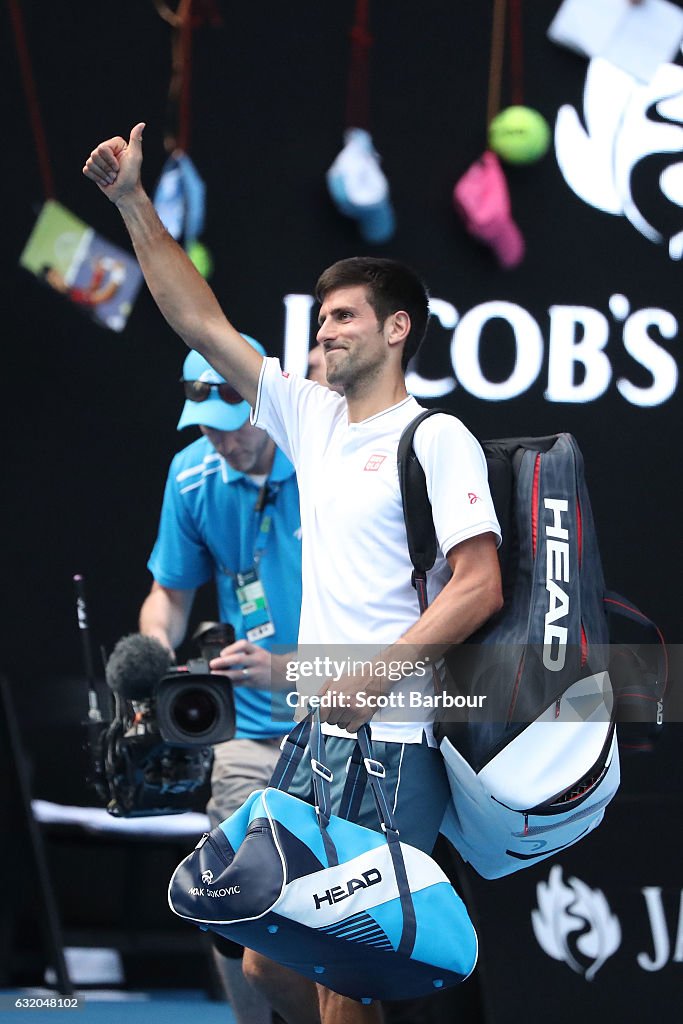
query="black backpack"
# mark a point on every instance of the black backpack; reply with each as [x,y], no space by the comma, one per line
[550,631]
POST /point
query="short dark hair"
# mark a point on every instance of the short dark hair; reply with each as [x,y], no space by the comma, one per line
[390,286]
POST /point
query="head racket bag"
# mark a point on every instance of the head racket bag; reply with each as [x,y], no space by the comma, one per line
[533,768]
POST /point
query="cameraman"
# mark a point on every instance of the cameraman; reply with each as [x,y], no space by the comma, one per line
[231,506]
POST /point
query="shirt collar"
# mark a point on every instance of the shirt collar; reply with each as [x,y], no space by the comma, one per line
[281,470]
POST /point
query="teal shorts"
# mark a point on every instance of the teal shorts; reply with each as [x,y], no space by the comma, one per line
[416,786]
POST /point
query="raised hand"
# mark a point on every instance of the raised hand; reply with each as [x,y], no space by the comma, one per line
[115,165]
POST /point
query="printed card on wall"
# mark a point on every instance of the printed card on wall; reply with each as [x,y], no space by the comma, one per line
[67,255]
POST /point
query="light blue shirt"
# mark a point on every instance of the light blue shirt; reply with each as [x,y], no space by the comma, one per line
[209,530]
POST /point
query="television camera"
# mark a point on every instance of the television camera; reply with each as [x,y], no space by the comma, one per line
[155,751]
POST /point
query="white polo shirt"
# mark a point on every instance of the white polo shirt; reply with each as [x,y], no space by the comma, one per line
[356,570]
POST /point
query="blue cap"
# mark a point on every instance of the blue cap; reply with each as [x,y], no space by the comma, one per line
[214,412]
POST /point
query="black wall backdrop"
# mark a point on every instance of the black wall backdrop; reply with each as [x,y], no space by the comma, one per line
[91,414]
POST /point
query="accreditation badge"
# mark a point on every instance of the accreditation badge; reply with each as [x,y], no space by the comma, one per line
[253,605]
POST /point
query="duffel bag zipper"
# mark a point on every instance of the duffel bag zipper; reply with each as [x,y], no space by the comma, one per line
[208,838]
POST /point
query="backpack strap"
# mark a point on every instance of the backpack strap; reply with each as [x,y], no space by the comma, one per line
[615,604]
[417,509]
[640,683]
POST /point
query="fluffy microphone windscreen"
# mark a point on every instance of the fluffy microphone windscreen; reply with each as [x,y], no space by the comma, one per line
[136,665]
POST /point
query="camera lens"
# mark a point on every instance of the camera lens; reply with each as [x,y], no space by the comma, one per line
[195,707]
[194,711]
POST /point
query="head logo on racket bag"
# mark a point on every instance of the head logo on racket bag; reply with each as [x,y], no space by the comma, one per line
[339,892]
[557,572]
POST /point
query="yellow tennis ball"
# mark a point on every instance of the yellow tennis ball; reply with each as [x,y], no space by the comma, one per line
[201,257]
[519,135]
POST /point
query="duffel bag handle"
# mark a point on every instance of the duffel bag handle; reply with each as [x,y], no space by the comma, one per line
[308,733]
[362,766]
[291,751]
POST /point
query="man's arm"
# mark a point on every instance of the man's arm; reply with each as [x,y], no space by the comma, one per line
[165,613]
[181,293]
[472,595]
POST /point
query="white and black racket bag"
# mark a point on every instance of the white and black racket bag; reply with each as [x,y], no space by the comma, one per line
[533,768]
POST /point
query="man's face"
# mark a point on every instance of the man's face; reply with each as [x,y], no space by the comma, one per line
[248,450]
[351,337]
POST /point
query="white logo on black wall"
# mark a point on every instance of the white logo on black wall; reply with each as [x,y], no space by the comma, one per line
[568,352]
[629,130]
[575,925]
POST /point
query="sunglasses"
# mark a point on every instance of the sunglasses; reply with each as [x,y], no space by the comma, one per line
[200,390]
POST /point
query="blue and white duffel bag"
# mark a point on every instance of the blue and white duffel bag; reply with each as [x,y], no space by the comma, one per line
[356,910]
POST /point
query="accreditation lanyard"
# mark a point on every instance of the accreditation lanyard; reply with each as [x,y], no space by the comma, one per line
[249,588]
[266,497]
